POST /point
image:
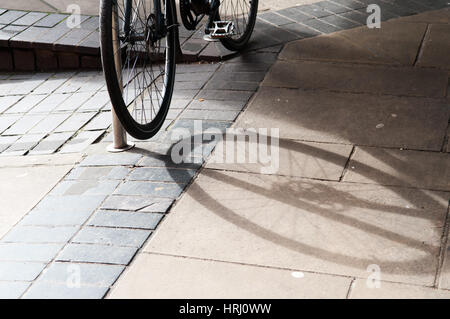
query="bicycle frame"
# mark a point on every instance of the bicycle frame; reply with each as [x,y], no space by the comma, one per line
[159,16]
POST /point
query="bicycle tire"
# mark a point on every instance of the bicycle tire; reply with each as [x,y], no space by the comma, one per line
[115,86]
[239,43]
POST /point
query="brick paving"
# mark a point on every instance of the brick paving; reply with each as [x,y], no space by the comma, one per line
[103,212]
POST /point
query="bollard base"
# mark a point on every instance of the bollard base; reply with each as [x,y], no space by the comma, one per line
[113,149]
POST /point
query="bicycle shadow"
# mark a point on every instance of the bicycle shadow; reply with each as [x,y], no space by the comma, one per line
[309,197]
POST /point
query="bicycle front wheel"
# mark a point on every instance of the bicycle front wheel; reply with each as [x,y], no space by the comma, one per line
[138,56]
[243,15]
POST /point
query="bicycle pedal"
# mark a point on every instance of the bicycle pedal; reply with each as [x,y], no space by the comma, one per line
[207,37]
[221,30]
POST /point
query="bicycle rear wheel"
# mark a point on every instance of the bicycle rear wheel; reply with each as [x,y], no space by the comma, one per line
[138,62]
[243,14]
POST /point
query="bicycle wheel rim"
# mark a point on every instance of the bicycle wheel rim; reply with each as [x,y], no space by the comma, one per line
[243,14]
[140,93]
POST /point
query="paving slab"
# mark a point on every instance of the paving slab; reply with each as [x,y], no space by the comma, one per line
[12,289]
[397,41]
[34,181]
[20,271]
[396,291]
[294,158]
[175,277]
[399,167]
[112,236]
[358,79]
[349,118]
[312,226]
[123,219]
[436,47]
[332,48]
[44,290]
[28,252]
[90,274]
[38,234]
[95,253]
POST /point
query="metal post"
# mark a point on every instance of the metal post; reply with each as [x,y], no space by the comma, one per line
[120,143]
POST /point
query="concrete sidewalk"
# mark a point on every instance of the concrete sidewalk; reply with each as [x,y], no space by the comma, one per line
[363,185]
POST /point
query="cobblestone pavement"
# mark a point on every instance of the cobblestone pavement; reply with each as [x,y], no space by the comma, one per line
[106,208]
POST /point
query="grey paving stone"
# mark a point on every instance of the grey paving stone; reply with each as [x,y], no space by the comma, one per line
[51,20]
[97,254]
[125,219]
[340,22]
[198,77]
[26,104]
[85,187]
[100,122]
[75,122]
[7,101]
[387,10]
[28,252]
[162,175]
[96,102]
[216,105]
[352,4]
[51,143]
[44,290]
[12,289]
[48,39]
[24,124]
[49,123]
[38,234]
[10,16]
[194,85]
[411,7]
[90,274]
[80,142]
[7,141]
[274,18]
[195,68]
[210,115]
[435,4]
[321,26]
[231,85]
[74,102]
[55,218]
[29,19]
[294,14]
[332,7]
[169,190]
[99,173]
[180,103]
[137,203]
[301,30]
[51,85]
[24,144]
[112,236]
[239,76]
[356,16]
[20,271]
[225,95]
[202,125]
[313,10]
[71,204]
[49,103]
[120,159]
[184,94]
[71,39]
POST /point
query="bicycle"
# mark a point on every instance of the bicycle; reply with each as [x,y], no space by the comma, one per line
[139,49]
